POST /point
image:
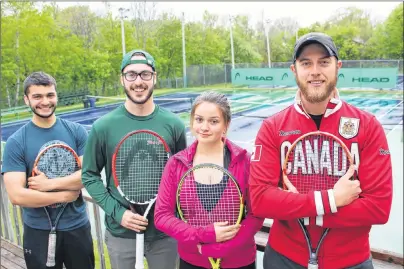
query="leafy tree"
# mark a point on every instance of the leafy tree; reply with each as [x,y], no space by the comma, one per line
[83,49]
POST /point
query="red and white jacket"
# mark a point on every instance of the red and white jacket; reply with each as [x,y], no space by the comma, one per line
[347,242]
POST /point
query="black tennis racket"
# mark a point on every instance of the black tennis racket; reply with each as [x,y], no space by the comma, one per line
[56,161]
[315,162]
[137,166]
[208,193]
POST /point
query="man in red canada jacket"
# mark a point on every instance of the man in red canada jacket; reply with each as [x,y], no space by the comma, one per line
[351,207]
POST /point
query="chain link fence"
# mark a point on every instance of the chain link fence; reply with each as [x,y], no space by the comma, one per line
[204,75]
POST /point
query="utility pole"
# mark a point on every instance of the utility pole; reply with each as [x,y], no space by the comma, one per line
[231,41]
[122,11]
[184,61]
[268,49]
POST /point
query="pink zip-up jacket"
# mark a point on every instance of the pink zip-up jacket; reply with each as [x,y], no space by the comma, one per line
[237,252]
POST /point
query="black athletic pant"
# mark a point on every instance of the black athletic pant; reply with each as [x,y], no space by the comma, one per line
[275,260]
[73,248]
[185,265]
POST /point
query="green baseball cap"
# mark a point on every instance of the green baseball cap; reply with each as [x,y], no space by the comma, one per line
[128,56]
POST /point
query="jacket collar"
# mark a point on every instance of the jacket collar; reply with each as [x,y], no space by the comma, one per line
[333,105]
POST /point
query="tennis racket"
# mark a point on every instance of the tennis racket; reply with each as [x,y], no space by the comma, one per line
[137,166]
[56,161]
[208,193]
[315,162]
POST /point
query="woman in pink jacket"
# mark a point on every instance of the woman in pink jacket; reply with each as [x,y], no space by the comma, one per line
[234,244]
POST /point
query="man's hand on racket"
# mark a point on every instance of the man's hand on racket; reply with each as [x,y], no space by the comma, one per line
[346,190]
[225,232]
[40,182]
[134,221]
[289,185]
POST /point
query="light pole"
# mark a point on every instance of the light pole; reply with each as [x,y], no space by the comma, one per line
[121,11]
[268,50]
[231,41]
[184,62]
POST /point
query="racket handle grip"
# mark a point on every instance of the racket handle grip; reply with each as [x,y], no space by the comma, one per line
[50,262]
[139,251]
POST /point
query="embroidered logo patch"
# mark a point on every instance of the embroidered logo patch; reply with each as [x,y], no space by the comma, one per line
[348,127]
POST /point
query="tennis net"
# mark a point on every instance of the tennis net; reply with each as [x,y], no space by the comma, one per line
[247,106]
[176,105]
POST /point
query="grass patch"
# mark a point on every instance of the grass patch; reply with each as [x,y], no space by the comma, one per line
[98,258]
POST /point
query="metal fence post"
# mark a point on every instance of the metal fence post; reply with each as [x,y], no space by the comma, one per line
[203,70]
[225,73]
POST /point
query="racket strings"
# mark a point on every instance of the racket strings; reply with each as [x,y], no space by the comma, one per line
[210,194]
[57,162]
[139,165]
[316,163]
[203,203]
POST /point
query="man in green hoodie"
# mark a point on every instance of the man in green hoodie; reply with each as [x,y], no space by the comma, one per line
[138,77]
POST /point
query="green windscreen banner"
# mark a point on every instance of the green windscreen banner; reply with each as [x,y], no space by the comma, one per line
[347,77]
[263,76]
[367,77]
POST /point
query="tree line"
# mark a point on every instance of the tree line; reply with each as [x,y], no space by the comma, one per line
[83,49]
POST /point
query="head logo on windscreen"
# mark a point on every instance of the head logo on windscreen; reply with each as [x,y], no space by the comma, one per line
[341,76]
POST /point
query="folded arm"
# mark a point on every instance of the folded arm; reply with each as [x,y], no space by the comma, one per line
[41,183]
[376,181]
[20,195]
[267,200]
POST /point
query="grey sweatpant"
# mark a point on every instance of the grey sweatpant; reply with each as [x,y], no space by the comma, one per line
[159,254]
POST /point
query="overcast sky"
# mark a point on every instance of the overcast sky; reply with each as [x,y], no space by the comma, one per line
[305,13]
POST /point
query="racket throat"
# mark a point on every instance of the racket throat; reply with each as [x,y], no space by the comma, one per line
[140,209]
[313,258]
[133,209]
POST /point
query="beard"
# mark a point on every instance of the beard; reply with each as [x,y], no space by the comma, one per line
[142,100]
[317,95]
[34,110]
